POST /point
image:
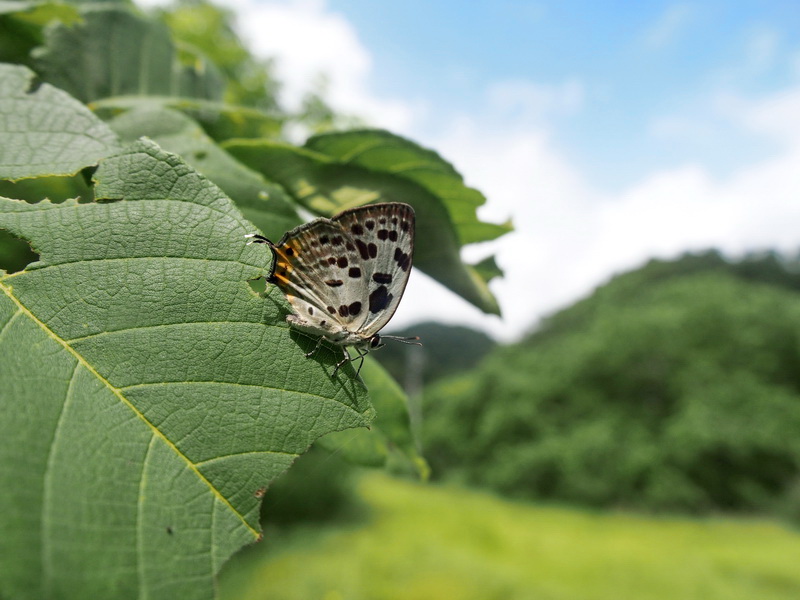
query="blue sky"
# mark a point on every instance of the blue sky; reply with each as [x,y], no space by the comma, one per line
[611,132]
[636,61]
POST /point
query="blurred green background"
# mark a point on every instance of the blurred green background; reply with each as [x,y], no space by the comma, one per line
[642,443]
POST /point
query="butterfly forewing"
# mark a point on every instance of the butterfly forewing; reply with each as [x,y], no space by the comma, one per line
[317,267]
[383,235]
[347,274]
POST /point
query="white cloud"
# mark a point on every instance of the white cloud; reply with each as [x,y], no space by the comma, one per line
[571,237]
[668,26]
[761,49]
[681,128]
[308,40]
[523,177]
[529,103]
[760,53]
[776,116]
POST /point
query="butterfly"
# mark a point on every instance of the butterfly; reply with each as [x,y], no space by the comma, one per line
[344,276]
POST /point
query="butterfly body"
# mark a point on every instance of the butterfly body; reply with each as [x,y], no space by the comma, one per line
[344,276]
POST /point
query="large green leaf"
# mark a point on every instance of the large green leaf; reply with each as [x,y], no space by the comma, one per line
[386,152]
[219,120]
[45,131]
[115,52]
[325,186]
[148,395]
[263,203]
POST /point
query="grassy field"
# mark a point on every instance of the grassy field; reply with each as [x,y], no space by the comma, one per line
[430,542]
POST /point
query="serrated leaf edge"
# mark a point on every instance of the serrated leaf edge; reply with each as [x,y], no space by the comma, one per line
[82,361]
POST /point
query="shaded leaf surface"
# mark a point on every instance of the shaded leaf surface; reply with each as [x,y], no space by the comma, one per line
[263,203]
[148,393]
[386,152]
[326,186]
[220,121]
[114,52]
[45,131]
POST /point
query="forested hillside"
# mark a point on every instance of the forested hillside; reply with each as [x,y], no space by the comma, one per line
[673,387]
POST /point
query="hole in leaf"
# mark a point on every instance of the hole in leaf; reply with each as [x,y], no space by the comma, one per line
[259,286]
[55,189]
[200,154]
[15,253]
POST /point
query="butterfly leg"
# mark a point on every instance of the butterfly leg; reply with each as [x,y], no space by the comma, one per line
[347,358]
[314,351]
[362,362]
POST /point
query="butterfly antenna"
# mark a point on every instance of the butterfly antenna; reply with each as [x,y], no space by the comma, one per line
[414,340]
[257,238]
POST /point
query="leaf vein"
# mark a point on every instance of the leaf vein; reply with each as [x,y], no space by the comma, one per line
[140,520]
[47,493]
[156,325]
[131,258]
[234,454]
[8,323]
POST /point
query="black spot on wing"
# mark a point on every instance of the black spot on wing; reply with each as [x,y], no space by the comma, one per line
[354,272]
[357,229]
[334,282]
[379,299]
[372,249]
[402,259]
[382,278]
[370,224]
[344,310]
[383,234]
[342,262]
[354,308]
[363,250]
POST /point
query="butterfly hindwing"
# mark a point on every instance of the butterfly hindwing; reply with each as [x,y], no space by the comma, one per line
[383,235]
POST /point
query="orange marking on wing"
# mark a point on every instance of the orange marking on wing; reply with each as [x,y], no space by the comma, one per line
[287,251]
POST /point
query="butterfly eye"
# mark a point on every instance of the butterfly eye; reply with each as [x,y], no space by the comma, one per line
[375,341]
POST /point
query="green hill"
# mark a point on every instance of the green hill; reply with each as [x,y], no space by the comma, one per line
[673,387]
[446,350]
